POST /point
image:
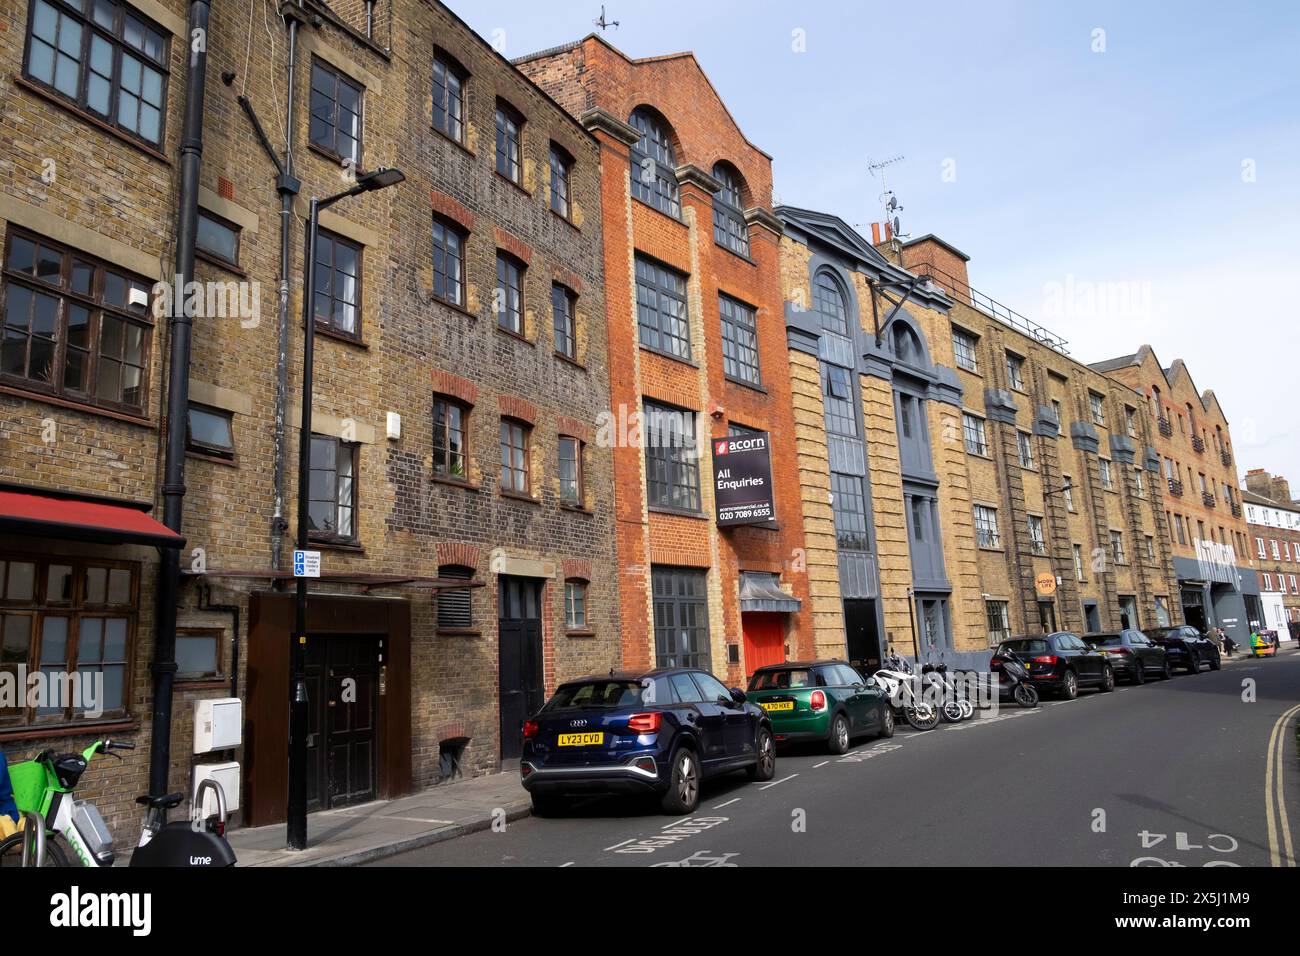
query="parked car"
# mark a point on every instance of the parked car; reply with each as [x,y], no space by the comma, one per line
[662,732]
[1133,655]
[1060,662]
[821,700]
[1186,647]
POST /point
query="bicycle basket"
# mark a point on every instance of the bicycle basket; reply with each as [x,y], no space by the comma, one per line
[28,781]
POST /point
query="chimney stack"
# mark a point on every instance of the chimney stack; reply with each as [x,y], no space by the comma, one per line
[1259,482]
[1281,490]
[875,233]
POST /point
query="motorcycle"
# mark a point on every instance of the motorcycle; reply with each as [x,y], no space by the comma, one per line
[956,707]
[1016,675]
[45,786]
[896,677]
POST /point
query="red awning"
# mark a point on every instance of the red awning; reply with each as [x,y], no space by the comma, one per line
[81,518]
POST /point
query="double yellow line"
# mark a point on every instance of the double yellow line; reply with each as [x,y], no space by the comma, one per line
[1273,776]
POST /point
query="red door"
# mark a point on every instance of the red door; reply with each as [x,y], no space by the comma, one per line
[764,639]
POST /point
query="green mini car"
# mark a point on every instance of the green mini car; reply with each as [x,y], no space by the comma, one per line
[821,700]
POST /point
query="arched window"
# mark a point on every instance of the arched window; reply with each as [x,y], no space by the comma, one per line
[828,302]
[654,163]
[729,228]
[906,347]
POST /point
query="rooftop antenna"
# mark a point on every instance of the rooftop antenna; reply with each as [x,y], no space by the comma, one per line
[888,200]
[604,24]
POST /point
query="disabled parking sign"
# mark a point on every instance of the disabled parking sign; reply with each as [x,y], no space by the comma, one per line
[306,564]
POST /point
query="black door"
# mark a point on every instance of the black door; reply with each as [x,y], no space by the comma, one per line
[342,743]
[519,630]
[1047,616]
[862,637]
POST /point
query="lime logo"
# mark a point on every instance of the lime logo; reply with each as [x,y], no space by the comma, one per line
[80,850]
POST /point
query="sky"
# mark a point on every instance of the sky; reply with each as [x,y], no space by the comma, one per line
[1122,173]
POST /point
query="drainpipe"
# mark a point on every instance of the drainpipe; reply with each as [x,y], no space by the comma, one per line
[178,395]
[286,184]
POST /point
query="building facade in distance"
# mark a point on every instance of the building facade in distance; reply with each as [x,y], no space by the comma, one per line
[1217,583]
[1274,538]
[697,355]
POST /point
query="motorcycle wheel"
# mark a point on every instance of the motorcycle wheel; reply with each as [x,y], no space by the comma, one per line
[1026,695]
[967,709]
[922,716]
[952,712]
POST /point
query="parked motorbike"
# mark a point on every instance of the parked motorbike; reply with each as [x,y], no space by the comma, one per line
[956,706]
[1015,674]
[896,677]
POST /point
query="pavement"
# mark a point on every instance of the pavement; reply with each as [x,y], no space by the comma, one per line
[355,835]
[1200,770]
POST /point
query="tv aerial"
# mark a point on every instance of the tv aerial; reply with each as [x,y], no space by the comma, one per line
[603,23]
[887,198]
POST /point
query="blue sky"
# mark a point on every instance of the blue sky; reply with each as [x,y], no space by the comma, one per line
[1147,192]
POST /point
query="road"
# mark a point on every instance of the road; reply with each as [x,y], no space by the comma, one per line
[1167,773]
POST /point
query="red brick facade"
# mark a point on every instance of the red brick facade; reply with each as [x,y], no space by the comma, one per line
[602,87]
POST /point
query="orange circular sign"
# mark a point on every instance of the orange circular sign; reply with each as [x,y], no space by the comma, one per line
[1045,583]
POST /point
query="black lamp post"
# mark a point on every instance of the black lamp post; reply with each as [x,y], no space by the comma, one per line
[298,722]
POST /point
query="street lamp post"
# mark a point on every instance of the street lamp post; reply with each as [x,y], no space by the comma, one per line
[298,717]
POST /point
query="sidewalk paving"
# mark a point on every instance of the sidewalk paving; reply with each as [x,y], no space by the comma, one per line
[354,835]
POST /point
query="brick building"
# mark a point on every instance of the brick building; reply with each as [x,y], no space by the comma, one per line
[1273,537]
[697,350]
[1067,511]
[975,422]
[459,496]
[1207,531]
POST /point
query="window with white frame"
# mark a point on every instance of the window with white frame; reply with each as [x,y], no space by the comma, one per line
[963,349]
[974,434]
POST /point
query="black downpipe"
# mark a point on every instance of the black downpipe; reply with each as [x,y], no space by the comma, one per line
[178,395]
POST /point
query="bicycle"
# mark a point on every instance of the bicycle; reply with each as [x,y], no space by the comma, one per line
[76,833]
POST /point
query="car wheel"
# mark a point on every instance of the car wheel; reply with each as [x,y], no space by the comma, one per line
[1165,671]
[1194,663]
[1069,686]
[683,794]
[1139,672]
[1107,680]
[838,740]
[547,805]
[1216,662]
[764,768]
[886,721]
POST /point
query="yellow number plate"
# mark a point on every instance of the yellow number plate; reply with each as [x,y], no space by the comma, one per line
[581,740]
[778,705]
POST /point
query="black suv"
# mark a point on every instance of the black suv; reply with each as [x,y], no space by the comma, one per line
[1060,662]
[1187,647]
[661,732]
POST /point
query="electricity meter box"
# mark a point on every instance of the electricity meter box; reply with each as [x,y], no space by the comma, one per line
[218,724]
[226,774]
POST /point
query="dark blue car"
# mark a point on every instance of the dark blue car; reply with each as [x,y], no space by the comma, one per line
[662,733]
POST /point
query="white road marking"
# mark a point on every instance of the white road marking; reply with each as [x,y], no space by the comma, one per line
[822,764]
[563,865]
[617,845]
[782,780]
[727,804]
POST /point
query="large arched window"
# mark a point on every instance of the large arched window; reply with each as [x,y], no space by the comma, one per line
[654,163]
[828,301]
[729,229]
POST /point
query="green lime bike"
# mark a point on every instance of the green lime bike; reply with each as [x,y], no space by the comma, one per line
[76,834]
